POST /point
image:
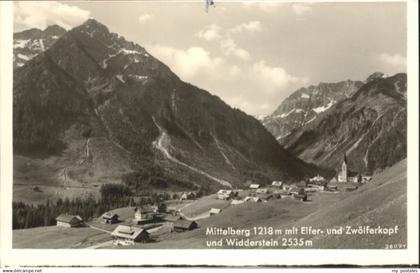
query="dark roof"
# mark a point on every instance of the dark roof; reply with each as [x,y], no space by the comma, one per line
[67,218]
[128,232]
[184,224]
[109,215]
[172,218]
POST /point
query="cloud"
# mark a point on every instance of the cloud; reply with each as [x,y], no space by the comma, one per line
[209,33]
[252,26]
[254,87]
[186,63]
[234,70]
[229,47]
[227,43]
[273,6]
[396,60]
[40,14]
[145,17]
[274,77]
[265,6]
[300,8]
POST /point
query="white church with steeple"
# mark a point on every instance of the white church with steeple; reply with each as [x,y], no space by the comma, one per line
[343,174]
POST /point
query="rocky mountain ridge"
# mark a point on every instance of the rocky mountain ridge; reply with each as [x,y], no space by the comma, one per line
[305,105]
[370,127]
[95,107]
[29,43]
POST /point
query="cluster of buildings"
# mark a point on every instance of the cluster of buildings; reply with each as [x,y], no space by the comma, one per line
[299,191]
[256,193]
[134,230]
[347,176]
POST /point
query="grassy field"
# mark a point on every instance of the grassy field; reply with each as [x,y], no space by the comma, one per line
[57,237]
[380,202]
[203,205]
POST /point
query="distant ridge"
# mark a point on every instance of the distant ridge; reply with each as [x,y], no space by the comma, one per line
[370,126]
[29,43]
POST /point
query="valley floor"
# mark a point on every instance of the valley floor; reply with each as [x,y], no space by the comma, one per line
[381,204]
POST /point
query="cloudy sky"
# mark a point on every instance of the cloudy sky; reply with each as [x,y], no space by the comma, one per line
[251,54]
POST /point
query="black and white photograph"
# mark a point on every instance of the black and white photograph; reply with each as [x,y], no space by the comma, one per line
[210,125]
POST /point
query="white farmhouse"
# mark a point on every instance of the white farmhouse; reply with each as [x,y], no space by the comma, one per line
[277,183]
[66,220]
[128,235]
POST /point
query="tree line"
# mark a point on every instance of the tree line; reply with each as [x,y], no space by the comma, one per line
[112,196]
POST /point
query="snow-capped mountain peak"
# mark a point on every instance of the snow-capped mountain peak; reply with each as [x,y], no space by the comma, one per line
[29,43]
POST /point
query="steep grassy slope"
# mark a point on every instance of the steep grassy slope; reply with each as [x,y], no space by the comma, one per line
[381,202]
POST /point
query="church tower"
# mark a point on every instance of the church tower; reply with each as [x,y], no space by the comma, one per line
[342,175]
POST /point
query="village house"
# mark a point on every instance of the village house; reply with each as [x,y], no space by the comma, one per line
[187,196]
[332,186]
[353,179]
[109,218]
[366,178]
[277,184]
[172,209]
[214,211]
[333,181]
[311,189]
[225,194]
[302,184]
[237,202]
[301,195]
[279,191]
[285,195]
[254,186]
[317,179]
[66,220]
[265,197]
[285,187]
[144,214]
[262,191]
[184,225]
[161,208]
[128,235]
[293,190]
[317,187]
[252,199]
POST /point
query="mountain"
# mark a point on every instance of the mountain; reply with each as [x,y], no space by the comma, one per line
[95,108]
[29,43]
[370,127]
[305,105]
